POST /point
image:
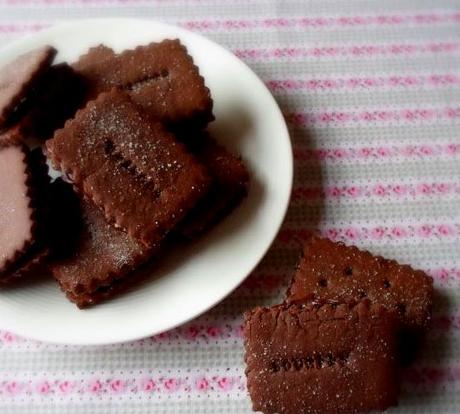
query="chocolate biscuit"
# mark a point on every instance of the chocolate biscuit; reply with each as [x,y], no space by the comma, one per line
[95,255]
[129,166]
[53,101]
[18,78]
[230,182]
[23,201]
[321,360]
[334,272]
[161,77]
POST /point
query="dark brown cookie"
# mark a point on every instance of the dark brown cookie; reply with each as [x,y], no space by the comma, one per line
[130,167]
[334,272]
[18,78]
[53,101]
[230,182]
[161,77]
[23,221]
[321,360]
[97,255]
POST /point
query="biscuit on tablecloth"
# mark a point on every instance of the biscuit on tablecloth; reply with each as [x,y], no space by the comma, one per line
[319,360]
[334,272]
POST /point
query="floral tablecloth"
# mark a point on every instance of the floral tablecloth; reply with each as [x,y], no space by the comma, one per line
[371,92]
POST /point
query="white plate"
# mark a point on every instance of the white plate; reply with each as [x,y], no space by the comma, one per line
[191,281]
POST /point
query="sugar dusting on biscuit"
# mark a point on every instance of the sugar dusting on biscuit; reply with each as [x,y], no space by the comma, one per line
[15,212]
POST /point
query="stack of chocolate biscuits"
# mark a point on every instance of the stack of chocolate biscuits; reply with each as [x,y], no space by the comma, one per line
[334,345]
[128,133]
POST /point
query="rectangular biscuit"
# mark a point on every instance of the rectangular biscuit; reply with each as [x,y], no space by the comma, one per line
[23,203]
[18,78]
[91,256]
[229,187]
[161,77]
[129,166]
[320,360]
[54,100]
[334,272]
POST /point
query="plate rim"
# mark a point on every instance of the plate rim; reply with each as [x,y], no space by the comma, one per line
[72,25]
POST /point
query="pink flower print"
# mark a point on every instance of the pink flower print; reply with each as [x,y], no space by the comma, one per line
[13,388]
[377,233]
[409,80]
[171,384]
[426,150]
[394,80]
[409,150]
[289,84]
[9,337]
[117,385]
[202,384]
[342,116]
[326,117]
[384,115]
[398,231]
[365,152]
[424,188]
[399,189]
[65,387]
[321,154]
[335,192]
[225,383]
[380,190]
[369,82]
[426,113]
[351,233]
[333,234]
[353,191]
[452,148]
[408,114]
[366,116]
[312,84]
[353,82]
[339,153]
[442,188]
[445,230]
[316,51]
[442,274]
[43,387]
[424,231]
[213,331]
[95,386]
[383,151]
[148,384]
[192,332]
